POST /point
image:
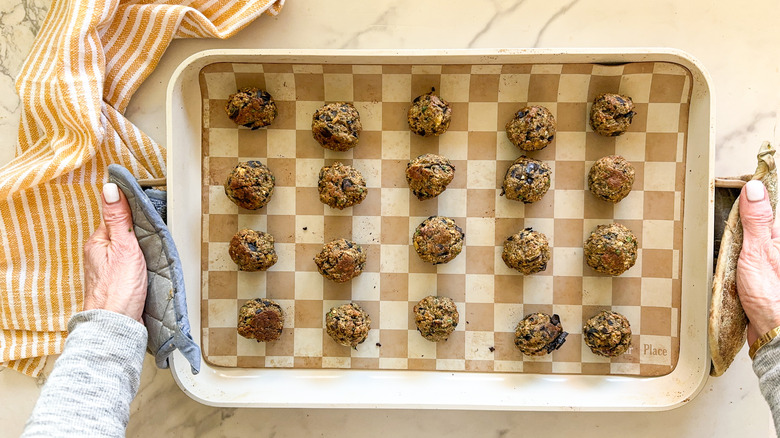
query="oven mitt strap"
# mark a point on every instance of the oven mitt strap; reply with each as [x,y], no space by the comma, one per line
[165,312]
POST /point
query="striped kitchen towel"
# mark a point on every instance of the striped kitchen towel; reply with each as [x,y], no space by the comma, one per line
[88,59]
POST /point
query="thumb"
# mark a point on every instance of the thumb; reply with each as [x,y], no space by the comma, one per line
[755,213]
[117,215]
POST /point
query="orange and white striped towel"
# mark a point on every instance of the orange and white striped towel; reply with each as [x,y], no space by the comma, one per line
[88,59]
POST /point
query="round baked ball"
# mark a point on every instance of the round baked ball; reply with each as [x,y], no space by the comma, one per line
[436,317]
[526,180]
[607,334]
[527,251]
[250,185]
[260,319]
[438,239]
[251,107]
[337,126]
[428,175]
[611,249]
[611,114]
[341,186]
[348,324]
[252,250]
[429,115]
[539,333]
[341,260]
[532,128]
[611,178]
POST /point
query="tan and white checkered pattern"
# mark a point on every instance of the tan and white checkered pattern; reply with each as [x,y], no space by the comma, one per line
[490,297]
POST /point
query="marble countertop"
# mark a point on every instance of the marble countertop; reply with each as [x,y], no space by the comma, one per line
[735,42]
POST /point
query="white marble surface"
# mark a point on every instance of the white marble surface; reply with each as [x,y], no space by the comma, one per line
[736,42]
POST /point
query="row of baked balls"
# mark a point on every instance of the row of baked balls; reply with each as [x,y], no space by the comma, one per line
[436,317]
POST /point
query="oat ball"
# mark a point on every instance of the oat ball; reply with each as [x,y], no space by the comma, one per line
[526,180]
[611,114]
[611,249]
[532,128]
[611,178]
[251,107]
[607,334]
[527,251]
[428,175]
[539,333]
[341,186]
[250,185]
[341,260]
[436,317]
[348,324]
[429,115]
[438,239]
[337,126]
[260,319]
[252,250]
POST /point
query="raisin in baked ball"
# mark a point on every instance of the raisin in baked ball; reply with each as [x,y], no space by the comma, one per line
[260,319]
[428,175]
[438,239]
[251,107]
[527,251]
[341,186]
[526,180]
[611,178]
[436,317]
[607,334]
[337,126]
[611,249]
[611,114]
[252,250]
[539,333]
[341,260]
[348,324]
[429,115]
[250,185]
[532,128]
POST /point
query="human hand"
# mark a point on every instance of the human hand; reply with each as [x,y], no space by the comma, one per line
[758,268]
[114,266]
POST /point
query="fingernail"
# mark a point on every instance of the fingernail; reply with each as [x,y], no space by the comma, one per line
[111,193]
[755,190]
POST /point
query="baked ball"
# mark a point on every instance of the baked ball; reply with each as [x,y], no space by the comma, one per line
[438,239]
[252,250]
[428,175]
[250,185]
[607,334]
[348,324]
[341,186]
[341,260]
[611,114]
[260,319]
[436,317]
[251,107]
[527,251]
[526,180]
[337,126]
[532,128]
[429,115]
[539,333]
[611,249]
[611,178]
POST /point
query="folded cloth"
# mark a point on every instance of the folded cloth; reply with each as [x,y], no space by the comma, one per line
[88,59]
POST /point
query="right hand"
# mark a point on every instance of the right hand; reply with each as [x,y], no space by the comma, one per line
[758,268]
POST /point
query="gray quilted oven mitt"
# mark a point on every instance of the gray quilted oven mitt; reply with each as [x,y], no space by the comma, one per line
[165,312]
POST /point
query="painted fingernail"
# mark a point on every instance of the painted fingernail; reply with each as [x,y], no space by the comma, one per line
[755,190]
[111,193]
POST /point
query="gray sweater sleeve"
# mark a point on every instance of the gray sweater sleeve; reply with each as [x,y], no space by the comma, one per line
[90,389]
[766,365]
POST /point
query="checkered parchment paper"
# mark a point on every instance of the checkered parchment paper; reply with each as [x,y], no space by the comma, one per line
[490,297]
